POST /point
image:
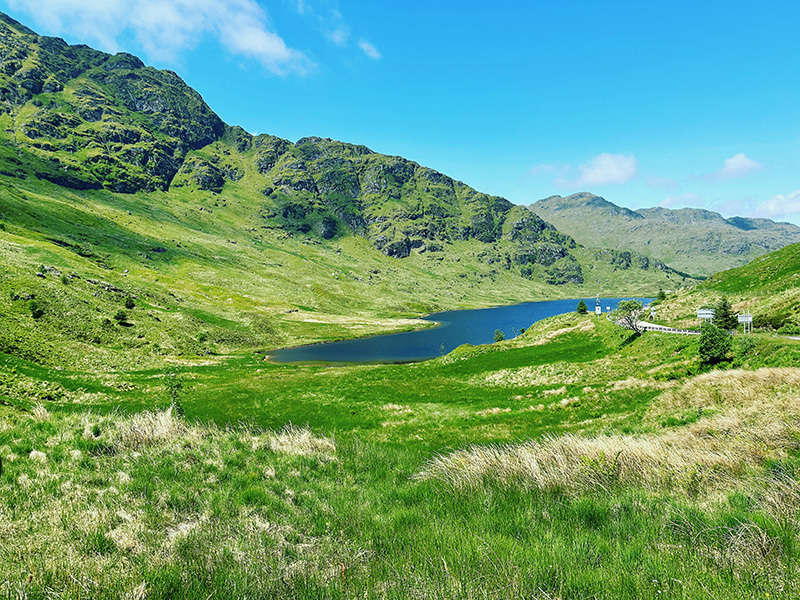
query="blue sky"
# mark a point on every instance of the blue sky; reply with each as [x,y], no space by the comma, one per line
[673,104]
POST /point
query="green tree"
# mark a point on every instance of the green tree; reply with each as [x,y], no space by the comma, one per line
[723,315]
[715,345]
[582,308]
[499,336]
[661,295]
[628,313]
[129,303]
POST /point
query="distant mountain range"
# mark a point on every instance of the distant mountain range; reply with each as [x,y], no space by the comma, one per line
[696,241]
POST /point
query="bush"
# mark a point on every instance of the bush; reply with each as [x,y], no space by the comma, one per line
[36,310]
[582,308]
[129,303]
[715,345]
[499,336]
[744,348]
[120,316]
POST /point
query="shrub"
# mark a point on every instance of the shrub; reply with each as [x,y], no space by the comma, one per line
[745,347]
[715,345]
[582,308]
[499,336]
[129,303]
[36,311]
[120,316]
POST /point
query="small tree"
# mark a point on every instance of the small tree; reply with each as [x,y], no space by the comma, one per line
[582,308]
[661,295]
[129,303]
[628,313]
[499,336]
[715,344]
[723,315]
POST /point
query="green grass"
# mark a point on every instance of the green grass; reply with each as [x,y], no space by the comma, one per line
[112,503]
[186,511]
[768,288]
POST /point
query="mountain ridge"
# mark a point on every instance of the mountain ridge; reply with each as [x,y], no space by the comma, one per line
[692,240]
[86,120]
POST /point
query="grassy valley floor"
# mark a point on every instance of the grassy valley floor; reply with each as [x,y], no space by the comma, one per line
[573,462]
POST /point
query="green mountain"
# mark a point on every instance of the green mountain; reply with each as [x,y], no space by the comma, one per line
[118,181]
[690,240]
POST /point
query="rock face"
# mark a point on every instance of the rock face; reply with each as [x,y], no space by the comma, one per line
[395,202]
[85,119]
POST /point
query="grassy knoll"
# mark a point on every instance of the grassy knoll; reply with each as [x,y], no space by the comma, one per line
[574,461]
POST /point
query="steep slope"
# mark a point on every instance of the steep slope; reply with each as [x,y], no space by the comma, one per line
[690,240]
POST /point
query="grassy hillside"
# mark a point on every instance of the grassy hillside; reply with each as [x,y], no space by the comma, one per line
[694,241]
[768,288]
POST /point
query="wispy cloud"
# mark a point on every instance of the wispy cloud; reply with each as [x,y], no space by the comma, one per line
[681,201]
[339,36]
[548,169]
[737,166]
[165,28]
[329,21]
[780,206]
[369,49]
[604,169]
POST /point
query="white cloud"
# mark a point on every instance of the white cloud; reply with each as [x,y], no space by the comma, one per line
[165,28]
[682,201]
[339,36]
[369,49]
[780,206]
[604,169]
[737,166]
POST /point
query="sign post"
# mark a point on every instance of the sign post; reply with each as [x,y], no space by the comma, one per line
[747,323]
[705,314]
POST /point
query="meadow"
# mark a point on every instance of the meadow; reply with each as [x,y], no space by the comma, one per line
[575,461]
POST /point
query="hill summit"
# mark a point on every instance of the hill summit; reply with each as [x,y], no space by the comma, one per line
[691,240]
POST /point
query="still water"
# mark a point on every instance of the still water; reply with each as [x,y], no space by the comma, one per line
[455,328]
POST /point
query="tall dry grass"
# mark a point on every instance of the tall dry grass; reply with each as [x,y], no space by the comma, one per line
[751,417]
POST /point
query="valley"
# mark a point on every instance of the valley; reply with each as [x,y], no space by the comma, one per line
[153,256]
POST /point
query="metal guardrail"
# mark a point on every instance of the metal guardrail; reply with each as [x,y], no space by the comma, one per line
[670,330]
